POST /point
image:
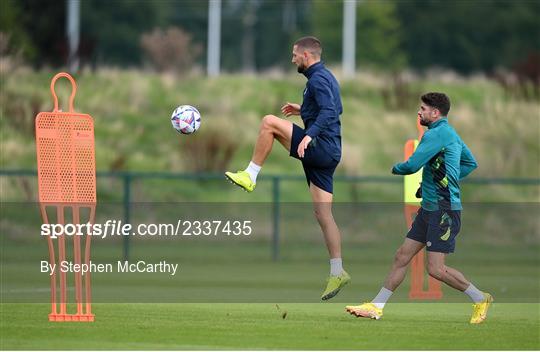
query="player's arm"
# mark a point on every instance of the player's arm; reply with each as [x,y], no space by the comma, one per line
[325,99]
[467,162]
[429,146]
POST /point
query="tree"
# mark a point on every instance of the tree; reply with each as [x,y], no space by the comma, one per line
[115,27]
[378,35]
[41,37]
[469,35]
[378,32]
[15,34]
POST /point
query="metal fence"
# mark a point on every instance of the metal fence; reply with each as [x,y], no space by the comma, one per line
[128,177]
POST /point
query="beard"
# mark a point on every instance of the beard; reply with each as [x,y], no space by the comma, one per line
[423,122]
[301,68]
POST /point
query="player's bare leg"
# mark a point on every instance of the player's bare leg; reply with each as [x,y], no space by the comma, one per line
[453,278]
[404,255]
[438,270]
[272,127]
[402,258]
[322,207]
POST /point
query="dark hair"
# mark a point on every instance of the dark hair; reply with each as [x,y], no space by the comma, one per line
[439,101]
[311,44]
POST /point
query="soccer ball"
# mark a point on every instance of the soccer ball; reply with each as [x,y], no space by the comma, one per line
[186,119]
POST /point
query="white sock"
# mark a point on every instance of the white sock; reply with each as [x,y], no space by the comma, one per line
[380,300]
[253,170]
[475,294]
[336,266]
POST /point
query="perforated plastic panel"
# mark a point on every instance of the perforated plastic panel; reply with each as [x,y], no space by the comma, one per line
[66,159]
[65,153]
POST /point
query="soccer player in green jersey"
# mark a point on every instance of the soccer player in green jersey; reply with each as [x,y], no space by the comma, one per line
[445,160]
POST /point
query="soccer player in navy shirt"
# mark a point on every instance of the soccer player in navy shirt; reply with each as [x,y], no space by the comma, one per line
[317,146]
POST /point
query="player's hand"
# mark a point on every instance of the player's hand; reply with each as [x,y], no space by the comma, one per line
[290,109]
[303,146]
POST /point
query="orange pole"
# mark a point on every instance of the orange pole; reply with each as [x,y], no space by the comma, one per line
[52,260]
[87,261]
[77,259]
[61,258]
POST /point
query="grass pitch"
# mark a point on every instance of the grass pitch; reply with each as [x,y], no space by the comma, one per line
[419,326]
[215,277]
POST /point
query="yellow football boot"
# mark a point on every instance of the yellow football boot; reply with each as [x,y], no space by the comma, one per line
[365,310]
[241,179]
[480,309]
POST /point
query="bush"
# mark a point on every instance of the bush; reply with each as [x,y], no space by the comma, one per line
[210,150]
[10,58]
[171,50]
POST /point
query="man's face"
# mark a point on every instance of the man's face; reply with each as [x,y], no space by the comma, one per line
[299,58]
[427,114]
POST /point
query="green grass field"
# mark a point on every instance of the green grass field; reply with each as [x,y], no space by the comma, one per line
[218,276]
[229,294]
[262,326]
[225,293]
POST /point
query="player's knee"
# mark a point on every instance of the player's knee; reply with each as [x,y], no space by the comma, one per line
[322,216]
[436,271]
[318,214]
[268,122]
[401,258]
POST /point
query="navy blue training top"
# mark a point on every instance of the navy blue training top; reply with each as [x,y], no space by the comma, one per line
[321,108]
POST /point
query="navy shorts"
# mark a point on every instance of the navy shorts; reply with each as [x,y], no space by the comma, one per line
[319,165]
[437,229]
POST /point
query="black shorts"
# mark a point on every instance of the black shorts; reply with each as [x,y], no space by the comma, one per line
[319,165]
[437,229]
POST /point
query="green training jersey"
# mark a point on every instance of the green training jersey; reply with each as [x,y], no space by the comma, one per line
[446,160]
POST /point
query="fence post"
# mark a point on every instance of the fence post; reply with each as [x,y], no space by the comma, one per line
[276,216]
[127,203]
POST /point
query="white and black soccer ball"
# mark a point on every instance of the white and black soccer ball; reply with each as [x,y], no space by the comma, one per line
[186,119]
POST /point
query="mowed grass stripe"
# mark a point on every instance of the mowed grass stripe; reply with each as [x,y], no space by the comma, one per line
[262,326]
